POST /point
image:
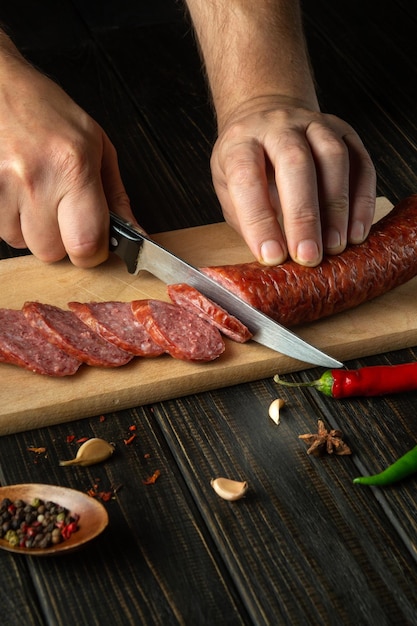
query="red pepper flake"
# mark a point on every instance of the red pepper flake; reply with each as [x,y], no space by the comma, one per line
[132,428]
[130,439]
[102,418]
[151,480]
[82,440]
[147,456]
[105,496]
[70,438]
[37,450]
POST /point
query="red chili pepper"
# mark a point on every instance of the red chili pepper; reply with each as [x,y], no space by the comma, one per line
[376,380]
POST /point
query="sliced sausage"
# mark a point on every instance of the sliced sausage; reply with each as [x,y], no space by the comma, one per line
[292,294]
[63,328]
[182,334]
[22,345]
[191,299]
[115,322]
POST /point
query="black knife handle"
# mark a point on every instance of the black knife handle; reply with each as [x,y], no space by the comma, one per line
[124,241]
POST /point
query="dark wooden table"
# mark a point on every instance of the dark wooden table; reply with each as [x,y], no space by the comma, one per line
[305,546]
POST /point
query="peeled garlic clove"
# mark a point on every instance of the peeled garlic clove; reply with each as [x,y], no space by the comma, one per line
[92,451]
[229,489]
[274,409]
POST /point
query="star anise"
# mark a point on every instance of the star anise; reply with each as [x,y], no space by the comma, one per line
[325,441]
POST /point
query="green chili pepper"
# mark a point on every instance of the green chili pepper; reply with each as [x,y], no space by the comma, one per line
[403,467]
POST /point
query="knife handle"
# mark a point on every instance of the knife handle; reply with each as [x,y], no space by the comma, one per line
[124,241]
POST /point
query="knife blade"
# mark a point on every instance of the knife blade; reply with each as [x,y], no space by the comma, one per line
[139,252]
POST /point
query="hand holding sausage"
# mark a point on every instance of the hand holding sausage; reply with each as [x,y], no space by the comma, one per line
[278,161]
[281,168]
[59,174]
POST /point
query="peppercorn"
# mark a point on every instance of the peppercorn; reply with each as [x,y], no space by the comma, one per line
[38,525]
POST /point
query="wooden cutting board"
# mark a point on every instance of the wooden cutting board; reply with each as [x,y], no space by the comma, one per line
[29,401]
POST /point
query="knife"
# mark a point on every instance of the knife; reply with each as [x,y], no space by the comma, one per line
[139,252]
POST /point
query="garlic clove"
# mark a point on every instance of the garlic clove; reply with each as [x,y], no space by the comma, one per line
[92,451]
[274,409]
[229,489]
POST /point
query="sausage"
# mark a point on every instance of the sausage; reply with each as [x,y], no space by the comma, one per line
[191,299]
[292,294]
[63,328]
[115,322]
[22,345]
[180,333]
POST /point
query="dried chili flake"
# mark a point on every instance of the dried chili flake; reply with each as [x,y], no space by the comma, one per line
[102,418]
[132,428]
[105,495]
[101,494]
[147,456]
[82,440]
[70,438]
[130,439]
[37,450]
[152,479]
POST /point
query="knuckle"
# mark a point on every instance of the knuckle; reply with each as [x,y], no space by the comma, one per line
[294,148]
[337,206]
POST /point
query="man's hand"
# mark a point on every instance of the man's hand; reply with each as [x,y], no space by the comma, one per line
[58,170]
[278,162]
[293,181]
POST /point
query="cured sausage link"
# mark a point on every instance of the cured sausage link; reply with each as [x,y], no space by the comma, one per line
[292,294]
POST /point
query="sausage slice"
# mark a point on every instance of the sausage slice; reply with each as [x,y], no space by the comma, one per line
[182,334]
[115,322]
[63,328]
[191,299]
[22,345]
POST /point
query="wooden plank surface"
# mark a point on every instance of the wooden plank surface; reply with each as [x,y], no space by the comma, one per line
[94,390]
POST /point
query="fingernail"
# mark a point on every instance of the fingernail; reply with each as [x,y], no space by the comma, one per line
[271,253]
[333,239]
[308,252]
[357,232]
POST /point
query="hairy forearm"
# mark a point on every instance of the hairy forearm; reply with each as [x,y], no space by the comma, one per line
[10,59]
[252,49]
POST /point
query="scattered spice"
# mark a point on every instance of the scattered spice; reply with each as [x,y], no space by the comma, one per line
[130,439]
[147,456]
[132,428]
[37,450]
[102,418]
[82,440]
[103,495]
[325,441]
[70,438]
[152,479]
